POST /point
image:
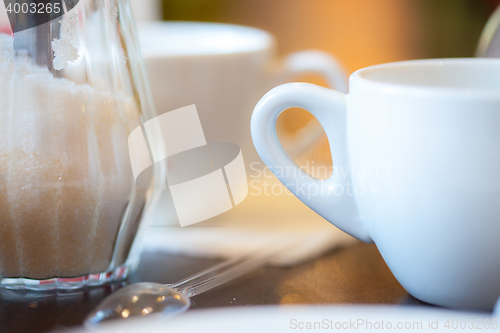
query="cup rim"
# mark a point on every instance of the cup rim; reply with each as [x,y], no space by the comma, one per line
[360,78]
[260,39]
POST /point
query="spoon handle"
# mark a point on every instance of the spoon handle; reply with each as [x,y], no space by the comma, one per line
[226,271]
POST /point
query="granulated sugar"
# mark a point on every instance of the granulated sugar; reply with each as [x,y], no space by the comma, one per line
[65,175]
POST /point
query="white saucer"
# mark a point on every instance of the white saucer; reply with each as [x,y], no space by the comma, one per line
[276,319]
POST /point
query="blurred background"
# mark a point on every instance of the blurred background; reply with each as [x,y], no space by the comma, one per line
[359,33]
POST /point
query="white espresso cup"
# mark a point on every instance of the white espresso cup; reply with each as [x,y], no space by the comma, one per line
[416,153]
[223,69]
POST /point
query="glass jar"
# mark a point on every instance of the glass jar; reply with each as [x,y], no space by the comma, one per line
[71,92]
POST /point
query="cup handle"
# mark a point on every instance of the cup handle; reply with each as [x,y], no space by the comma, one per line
[331,198]
[317,62]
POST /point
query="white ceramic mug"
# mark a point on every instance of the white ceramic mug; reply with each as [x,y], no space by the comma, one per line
[416,150]
[223,69]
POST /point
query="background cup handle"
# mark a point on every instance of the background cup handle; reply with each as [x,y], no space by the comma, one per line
[330,198]
[315,62]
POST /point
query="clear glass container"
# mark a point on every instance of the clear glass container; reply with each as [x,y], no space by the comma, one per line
[71,92]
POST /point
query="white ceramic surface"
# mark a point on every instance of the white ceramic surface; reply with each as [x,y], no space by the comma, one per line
[489,42]
[311,318]
[149,10]
[419,143]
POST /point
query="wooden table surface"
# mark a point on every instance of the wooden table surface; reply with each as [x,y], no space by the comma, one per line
[356,274]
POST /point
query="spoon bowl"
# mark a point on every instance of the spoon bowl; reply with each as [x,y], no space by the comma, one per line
[138,300]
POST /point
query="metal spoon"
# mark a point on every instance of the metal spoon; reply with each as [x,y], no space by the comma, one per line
[145,299]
